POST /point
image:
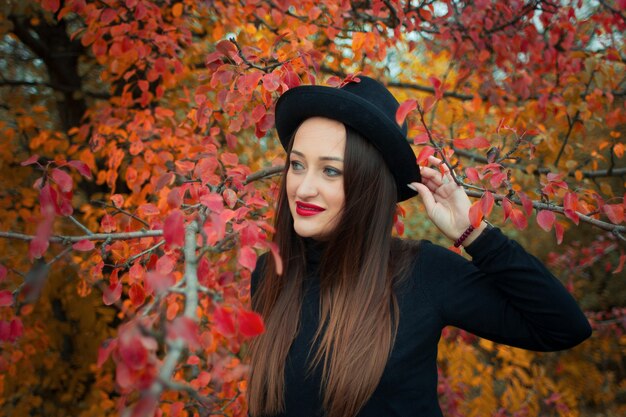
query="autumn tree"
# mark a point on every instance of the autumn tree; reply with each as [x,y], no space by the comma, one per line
[138,178]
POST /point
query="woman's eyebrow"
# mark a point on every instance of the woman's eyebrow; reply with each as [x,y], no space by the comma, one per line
[321,158]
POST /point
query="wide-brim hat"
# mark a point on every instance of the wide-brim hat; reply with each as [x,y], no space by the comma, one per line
[367,107]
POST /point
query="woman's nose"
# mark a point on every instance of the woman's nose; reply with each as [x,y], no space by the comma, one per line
[308,187]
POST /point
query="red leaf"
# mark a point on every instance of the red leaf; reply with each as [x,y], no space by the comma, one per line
[271,82]
[6,298]
[487,201]
[185,328]
[165,264]
[497,178]
[291,79]
[472,174]
[84,245]
[477,142]
[104,351]
[519,220]
[63,179]
[250,323]
[230,197]
[30,160]
[436,82]
[48,200]
[405,108]
[16,329]
[545,219]
[424,154]
[165,179]
[421,139]
[136,294]
[507,207]
[158,283]
[527,204]
[50,5]
[108,223]
[175,198]
[40,243]
[82,168]
[174,229]
[112,293]
[146,406]
[5,331]
[570,204]
[117,200]
[476,213]
[223,319]
[247,257]
[229,159]
[615,212]
[558,230]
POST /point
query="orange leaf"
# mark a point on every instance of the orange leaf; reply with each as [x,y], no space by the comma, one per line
[487,201]
[424,154]
[477,142]
[476,213]
[177,10]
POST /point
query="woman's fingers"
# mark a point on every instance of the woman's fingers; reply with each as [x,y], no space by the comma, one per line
[425,194]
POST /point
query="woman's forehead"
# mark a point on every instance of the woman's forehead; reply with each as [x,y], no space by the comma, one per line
[319,136]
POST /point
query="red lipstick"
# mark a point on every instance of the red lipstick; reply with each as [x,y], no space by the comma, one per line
[305,209]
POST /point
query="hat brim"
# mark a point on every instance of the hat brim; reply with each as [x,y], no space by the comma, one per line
[297,105]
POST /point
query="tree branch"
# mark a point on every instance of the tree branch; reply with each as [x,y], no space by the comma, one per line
[95,236]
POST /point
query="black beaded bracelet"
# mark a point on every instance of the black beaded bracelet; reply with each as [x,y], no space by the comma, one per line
[464,236]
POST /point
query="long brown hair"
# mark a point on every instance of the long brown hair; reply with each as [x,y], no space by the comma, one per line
[358,308]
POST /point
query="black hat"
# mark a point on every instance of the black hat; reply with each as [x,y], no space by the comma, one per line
[367,107]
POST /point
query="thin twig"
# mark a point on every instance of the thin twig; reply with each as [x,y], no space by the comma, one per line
[80,225]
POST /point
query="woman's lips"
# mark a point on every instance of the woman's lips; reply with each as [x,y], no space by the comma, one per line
[304,209]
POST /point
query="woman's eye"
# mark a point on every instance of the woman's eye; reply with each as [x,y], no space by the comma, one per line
[332,172]
[296,166]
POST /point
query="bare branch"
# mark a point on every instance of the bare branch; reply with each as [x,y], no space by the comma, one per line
[264,173]
[95,236]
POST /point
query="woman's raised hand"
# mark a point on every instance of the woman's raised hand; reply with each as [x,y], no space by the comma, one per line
[445,201]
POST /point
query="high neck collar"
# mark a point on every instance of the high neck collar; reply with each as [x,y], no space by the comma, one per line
[314,251]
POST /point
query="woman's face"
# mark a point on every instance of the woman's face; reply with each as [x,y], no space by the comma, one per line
[315,177]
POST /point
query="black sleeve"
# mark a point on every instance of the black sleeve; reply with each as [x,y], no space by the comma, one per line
[505,295]
[257,273]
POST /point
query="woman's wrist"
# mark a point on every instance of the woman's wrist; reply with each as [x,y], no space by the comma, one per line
[466,238]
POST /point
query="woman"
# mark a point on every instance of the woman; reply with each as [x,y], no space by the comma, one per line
[353,322]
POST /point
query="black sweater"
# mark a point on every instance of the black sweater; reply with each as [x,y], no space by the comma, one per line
[504,294]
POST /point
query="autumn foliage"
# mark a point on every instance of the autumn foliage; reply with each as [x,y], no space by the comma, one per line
[137,182]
